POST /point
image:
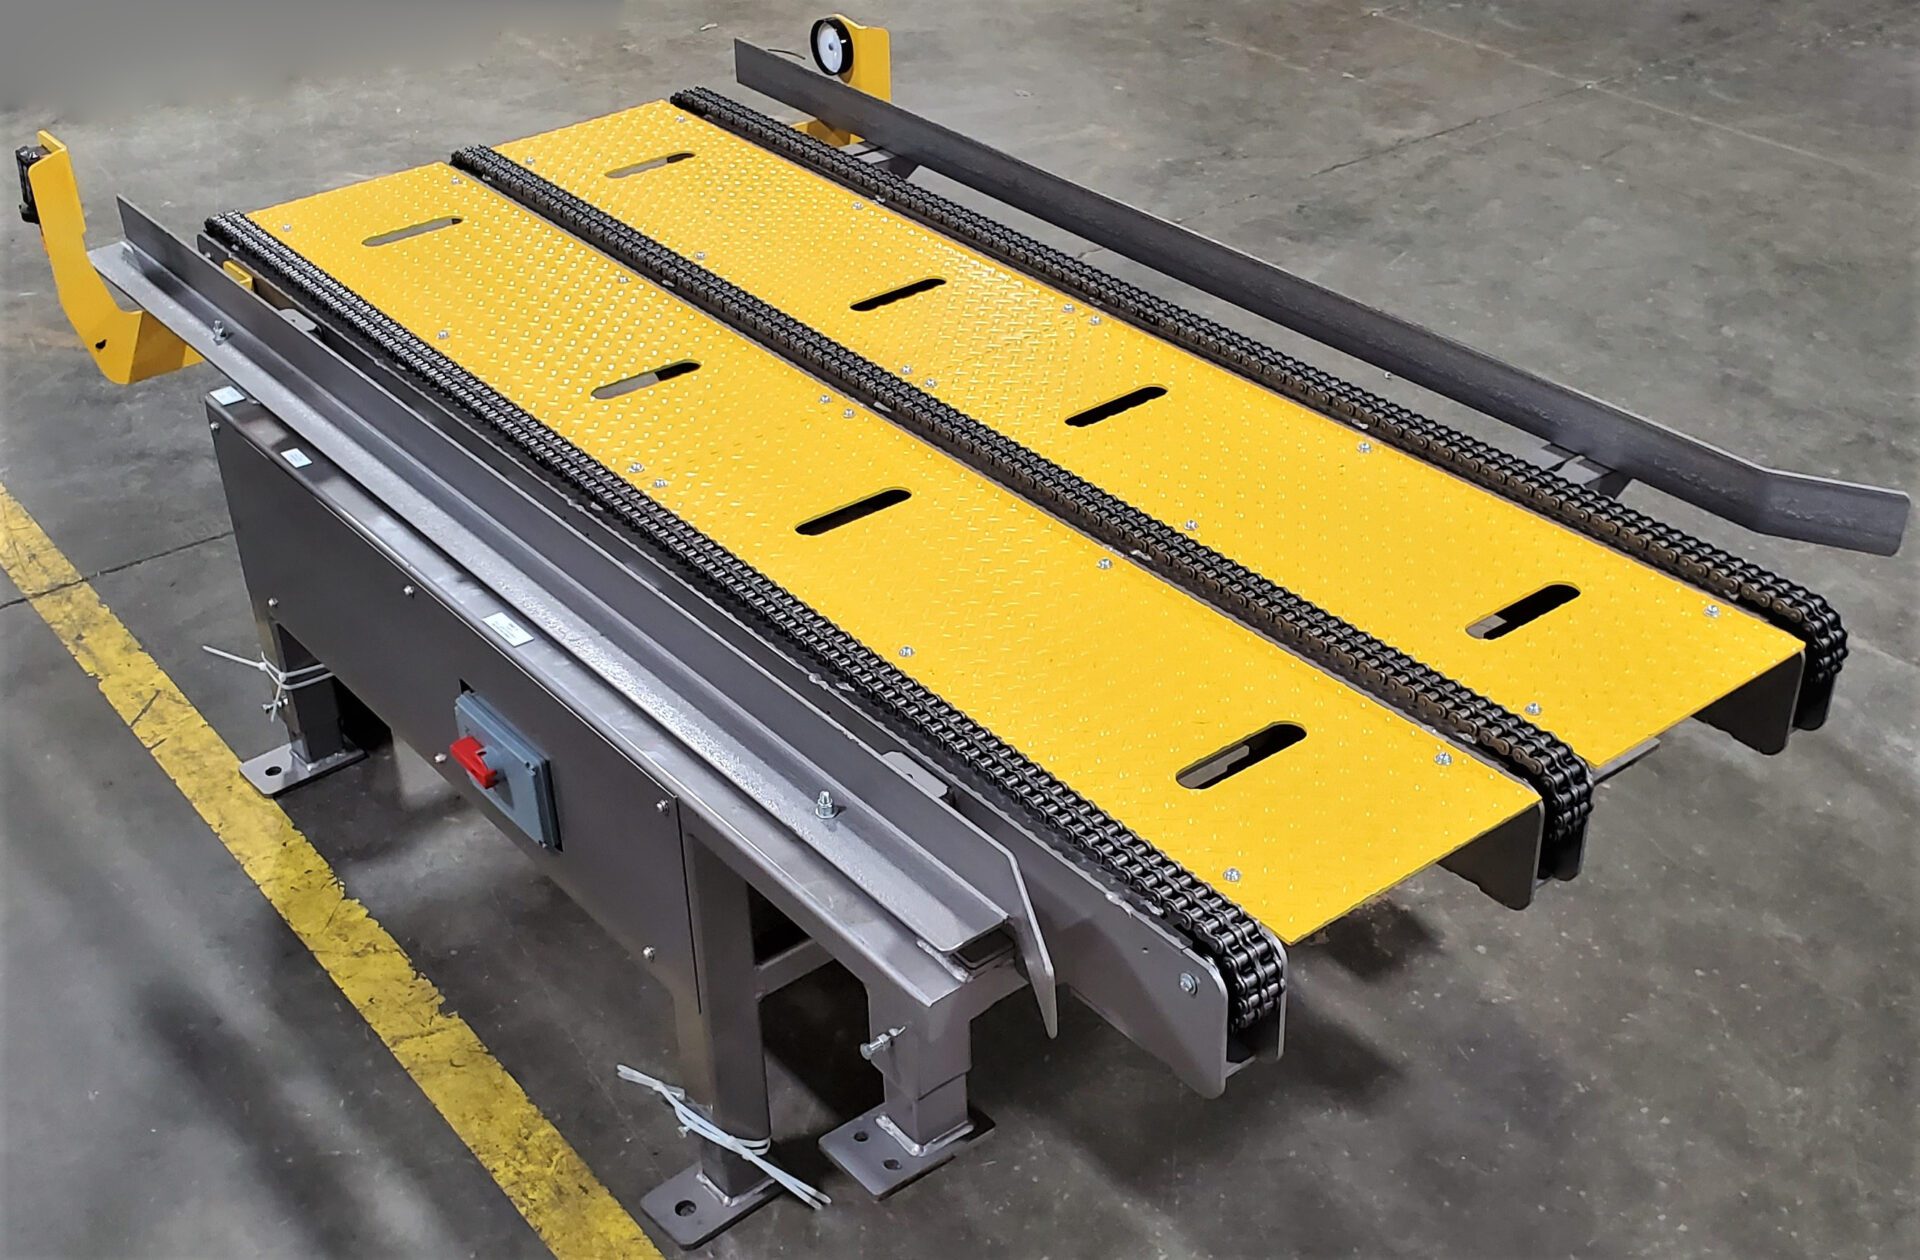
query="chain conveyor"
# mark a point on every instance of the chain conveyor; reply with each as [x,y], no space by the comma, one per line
[804,568]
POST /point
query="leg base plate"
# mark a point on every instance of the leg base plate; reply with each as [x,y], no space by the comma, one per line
[689,1210]
[873,1154]
[282,769]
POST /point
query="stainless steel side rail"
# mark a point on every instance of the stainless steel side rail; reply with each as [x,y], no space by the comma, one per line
[1765,500]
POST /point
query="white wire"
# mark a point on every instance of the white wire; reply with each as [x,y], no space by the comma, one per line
[754,1153]
[284,681]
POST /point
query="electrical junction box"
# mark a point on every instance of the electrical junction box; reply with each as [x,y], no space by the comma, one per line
[506,769]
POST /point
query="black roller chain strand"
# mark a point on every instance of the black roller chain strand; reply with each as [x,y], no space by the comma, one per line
[1552,769]
[1250,962]
[1782,603]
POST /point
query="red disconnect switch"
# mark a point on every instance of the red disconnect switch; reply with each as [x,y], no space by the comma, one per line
[472,756]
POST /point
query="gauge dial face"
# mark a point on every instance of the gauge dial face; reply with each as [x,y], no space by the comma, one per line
[832,46]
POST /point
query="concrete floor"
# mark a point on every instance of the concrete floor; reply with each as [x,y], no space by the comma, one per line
[1707,211]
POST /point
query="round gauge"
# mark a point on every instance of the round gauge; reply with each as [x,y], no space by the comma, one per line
[832,46]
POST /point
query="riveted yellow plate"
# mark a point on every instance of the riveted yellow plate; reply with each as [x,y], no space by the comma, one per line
[1106,676]
[1399,548]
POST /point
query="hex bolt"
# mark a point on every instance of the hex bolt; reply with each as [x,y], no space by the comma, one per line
[1189,984]
[1105,563]
[870,1048]
[220,332]
[847,414]
[906,369]
[214,425]
[1093,319]
[931,382]
[1533,709]
[823,806]
[1713,610]
[1193,525]
[273,601]
[906,651]
[1365,448]
[649,953]
[701,255]
[407,590]
[663,807]
[636,467]
[441,335]
[439,759]
[826,398]
[659,483]
[1233,874]
[623,279]
[1068,308]
[1443,759]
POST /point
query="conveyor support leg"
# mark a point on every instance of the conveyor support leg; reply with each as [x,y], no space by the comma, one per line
[923,1055]
[722,1061]
[313,706]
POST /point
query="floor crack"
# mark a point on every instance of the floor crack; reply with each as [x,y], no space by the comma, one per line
[111,569]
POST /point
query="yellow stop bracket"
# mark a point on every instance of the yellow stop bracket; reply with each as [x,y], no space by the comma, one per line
[127,346]
[860,57]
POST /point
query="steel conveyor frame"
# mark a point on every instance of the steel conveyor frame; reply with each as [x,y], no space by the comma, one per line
[382,550]
[701,771]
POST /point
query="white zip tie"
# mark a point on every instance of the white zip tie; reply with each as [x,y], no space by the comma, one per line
[284,681]
[754,1153]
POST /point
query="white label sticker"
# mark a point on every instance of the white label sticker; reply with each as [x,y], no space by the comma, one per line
[297,457]
[227,395]
[509,629]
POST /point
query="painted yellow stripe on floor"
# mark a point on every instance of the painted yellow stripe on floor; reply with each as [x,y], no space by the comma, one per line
[536,1167]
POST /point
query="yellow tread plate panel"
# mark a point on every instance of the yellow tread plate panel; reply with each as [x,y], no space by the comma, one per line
[1401,549]
[1107,677]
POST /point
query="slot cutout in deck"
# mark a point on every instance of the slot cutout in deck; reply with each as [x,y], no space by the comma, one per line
[857,510]
[1526,609]
[1108,410]
[1240,755]
[621,172]
[412,230]
[891,296]
[627,384]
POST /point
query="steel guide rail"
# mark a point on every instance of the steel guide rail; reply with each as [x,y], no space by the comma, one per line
[1250,962]
[1582,509]
[1546,764]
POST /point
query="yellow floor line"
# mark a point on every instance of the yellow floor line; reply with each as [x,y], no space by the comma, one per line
[540,1172]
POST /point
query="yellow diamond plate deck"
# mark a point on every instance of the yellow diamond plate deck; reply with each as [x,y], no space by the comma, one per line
[1399,548]
[1106,676]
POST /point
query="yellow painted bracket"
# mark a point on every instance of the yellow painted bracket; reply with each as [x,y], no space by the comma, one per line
[127,346]
[870,70]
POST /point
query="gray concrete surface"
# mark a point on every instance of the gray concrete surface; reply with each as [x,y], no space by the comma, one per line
[1705,210]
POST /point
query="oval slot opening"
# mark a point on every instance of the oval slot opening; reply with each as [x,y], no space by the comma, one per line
[857,510]
[413,230]
[1240,755]
[627,384]
[891,296]
[1108,410]
[1526,609]
[621,172]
